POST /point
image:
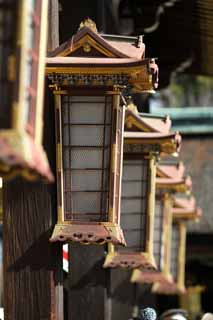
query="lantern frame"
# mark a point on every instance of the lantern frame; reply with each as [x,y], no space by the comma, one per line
[161,274]
[140,141]
[169,180]
[92,232]
[93,62]
[178,286]
[134,259]
[21,134]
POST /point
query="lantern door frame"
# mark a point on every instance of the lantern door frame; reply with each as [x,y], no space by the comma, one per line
[163,274]
[135,259]
[92,232]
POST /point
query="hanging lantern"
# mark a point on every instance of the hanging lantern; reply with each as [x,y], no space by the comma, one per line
[88,74]
[143,144]
[171,178]
[177,262]
[22,84]
[183,210]
[161,242]
[186,209]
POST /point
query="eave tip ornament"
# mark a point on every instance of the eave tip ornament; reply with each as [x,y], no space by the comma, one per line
[89,23]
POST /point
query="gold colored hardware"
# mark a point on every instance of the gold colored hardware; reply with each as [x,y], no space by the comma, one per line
[89,23]
[59,156]
[87,47]
[113,157]
[11,69]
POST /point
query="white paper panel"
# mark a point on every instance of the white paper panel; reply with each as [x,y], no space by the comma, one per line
[132,170]
[86,180]
[133,238]
[132,206]
[132,221]
[86,159]
[83,154]
[89,113]
[86,202]
[132,189]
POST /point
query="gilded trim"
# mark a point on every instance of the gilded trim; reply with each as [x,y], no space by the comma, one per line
[181,256]
[59,157]
[40,72]
[151,205]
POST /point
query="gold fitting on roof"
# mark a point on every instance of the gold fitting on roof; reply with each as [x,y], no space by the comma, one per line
[132,107]
[89,24]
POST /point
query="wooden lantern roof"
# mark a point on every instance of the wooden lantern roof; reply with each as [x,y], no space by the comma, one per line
[89,43]
[186,209]
[90,58]
[172,177]
[150,130]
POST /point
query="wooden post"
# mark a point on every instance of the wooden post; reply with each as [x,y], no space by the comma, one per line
[87,283]
[32,266]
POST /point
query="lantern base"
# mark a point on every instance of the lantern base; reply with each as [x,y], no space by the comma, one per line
[168,289]
[148,276]
[91,233]
[20,155]
[130,260]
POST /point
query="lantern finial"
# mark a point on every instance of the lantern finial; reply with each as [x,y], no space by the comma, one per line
[89,23]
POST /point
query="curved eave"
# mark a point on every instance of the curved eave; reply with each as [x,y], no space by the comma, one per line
[178,185]
[185,203]
[187,214]
[171,171]
[147,124]
[168,143]
[96,65]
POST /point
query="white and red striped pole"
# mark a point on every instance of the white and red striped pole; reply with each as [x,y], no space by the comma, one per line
[66,257]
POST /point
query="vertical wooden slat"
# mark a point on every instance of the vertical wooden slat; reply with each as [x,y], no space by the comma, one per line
[167,233]
[151,205]
[116,160]
[181,255]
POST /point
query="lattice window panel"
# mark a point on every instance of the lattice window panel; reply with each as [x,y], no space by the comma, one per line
[86,149]
[134,204]
[174,251]
[158,232]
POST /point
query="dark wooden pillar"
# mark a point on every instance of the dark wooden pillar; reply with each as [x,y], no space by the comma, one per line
[87,283]
[123,294]
[32,266]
